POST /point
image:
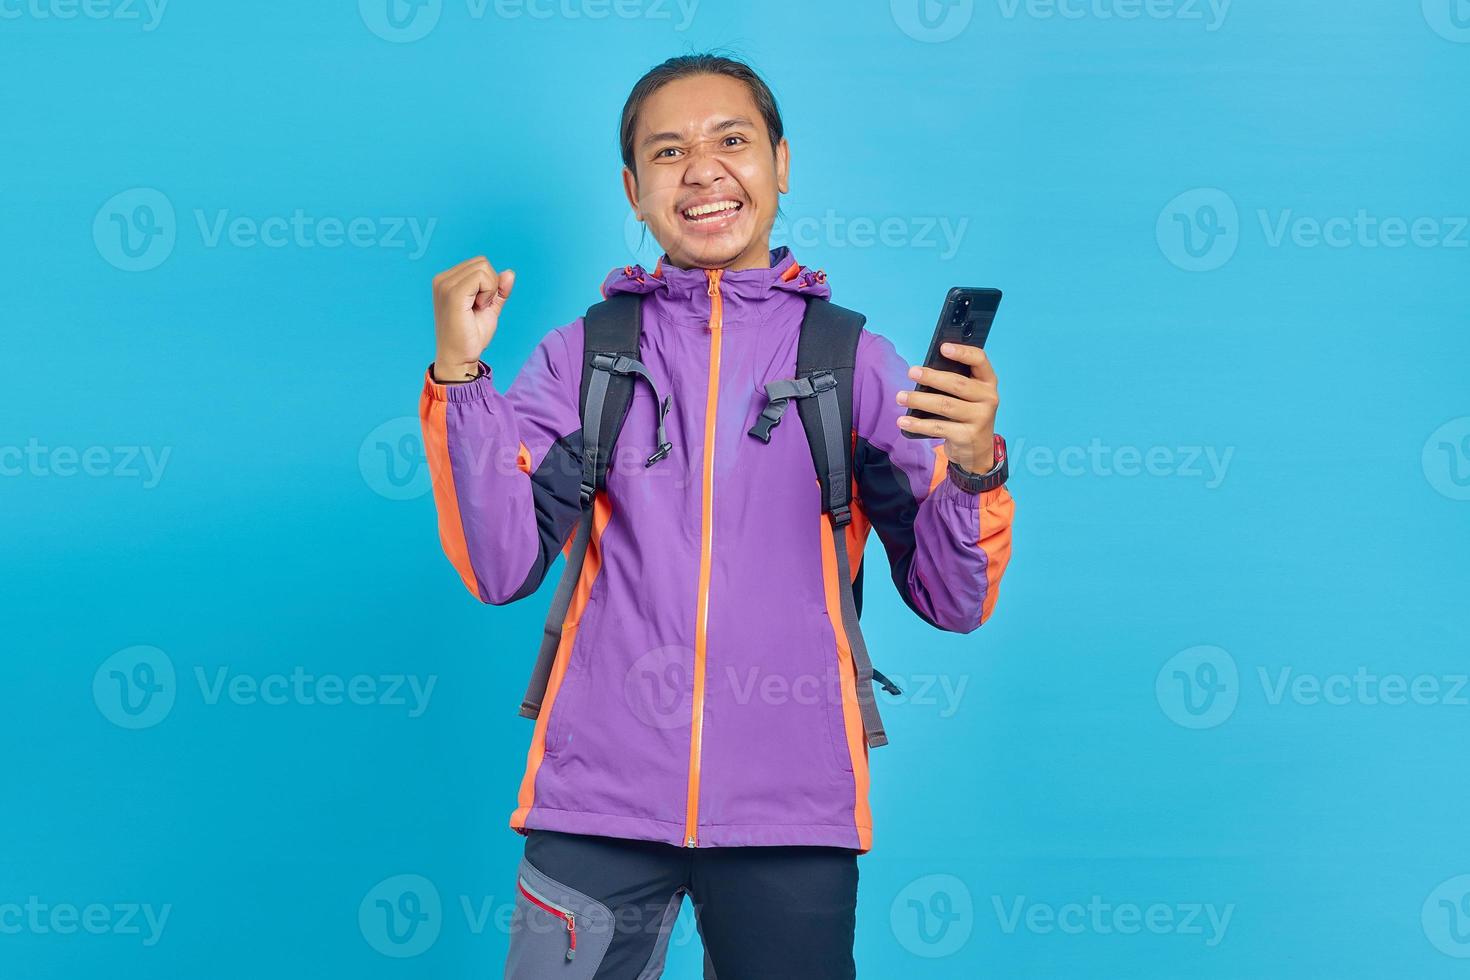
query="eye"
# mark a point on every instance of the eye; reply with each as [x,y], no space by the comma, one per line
[668,149]
[738,140]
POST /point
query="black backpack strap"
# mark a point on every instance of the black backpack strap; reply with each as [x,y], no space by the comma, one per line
[826,354]
[610,368]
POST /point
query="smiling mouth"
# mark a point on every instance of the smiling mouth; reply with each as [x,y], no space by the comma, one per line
[714,214]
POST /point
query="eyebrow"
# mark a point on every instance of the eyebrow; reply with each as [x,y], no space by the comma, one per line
[727,124]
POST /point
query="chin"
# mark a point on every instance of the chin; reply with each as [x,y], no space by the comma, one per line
[714,254]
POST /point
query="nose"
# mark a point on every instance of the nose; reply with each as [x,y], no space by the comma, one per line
[703,166]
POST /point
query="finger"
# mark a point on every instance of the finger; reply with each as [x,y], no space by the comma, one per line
[939,428]
[458,286]
[976,358]
[951,408]
[495,297]
[448,277]
[465,290]
[455,270]
[469,271]
[960,385]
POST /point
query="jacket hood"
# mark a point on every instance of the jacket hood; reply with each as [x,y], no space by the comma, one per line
[784,275]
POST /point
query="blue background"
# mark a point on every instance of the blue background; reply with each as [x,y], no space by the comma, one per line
[1094,751]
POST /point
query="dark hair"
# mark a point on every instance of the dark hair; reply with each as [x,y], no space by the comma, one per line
[684,66]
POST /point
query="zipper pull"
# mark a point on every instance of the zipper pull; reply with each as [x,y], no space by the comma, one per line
[714,281]
[571,936]
[689,841]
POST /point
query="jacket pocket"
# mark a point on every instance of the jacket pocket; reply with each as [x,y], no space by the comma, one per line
[564,707]
[836,719]
[555,930]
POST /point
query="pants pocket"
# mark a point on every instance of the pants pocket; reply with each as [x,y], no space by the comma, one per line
[555,931]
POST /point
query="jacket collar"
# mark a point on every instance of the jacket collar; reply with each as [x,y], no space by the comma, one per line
[784,275]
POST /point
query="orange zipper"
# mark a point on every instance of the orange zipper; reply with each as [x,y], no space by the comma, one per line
[706,527]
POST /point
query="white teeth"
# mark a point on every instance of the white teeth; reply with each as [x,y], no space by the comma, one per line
[717,206]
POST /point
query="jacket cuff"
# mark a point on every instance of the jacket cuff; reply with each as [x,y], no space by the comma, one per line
[458,391]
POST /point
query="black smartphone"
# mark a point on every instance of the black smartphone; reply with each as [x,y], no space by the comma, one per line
[965,318]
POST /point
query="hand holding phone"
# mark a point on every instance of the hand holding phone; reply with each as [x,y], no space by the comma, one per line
[965,318]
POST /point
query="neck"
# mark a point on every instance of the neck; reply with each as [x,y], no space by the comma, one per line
[757,256]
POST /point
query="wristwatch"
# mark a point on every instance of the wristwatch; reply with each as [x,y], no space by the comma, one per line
[978,482]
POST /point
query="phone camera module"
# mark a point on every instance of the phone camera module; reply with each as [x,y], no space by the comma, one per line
[961,310]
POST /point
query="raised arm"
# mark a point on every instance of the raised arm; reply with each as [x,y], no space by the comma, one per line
[948,547]
[505,467]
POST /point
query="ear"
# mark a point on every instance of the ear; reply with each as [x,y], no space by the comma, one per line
[630,188]
[783,166]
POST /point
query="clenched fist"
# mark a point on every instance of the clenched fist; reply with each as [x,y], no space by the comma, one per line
[467,303]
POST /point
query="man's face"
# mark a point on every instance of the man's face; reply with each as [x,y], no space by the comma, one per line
[706,180]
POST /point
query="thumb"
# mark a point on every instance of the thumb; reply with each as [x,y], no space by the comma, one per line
[487,300]
[507,283]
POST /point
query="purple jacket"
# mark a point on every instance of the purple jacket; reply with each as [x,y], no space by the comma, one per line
[703,693]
